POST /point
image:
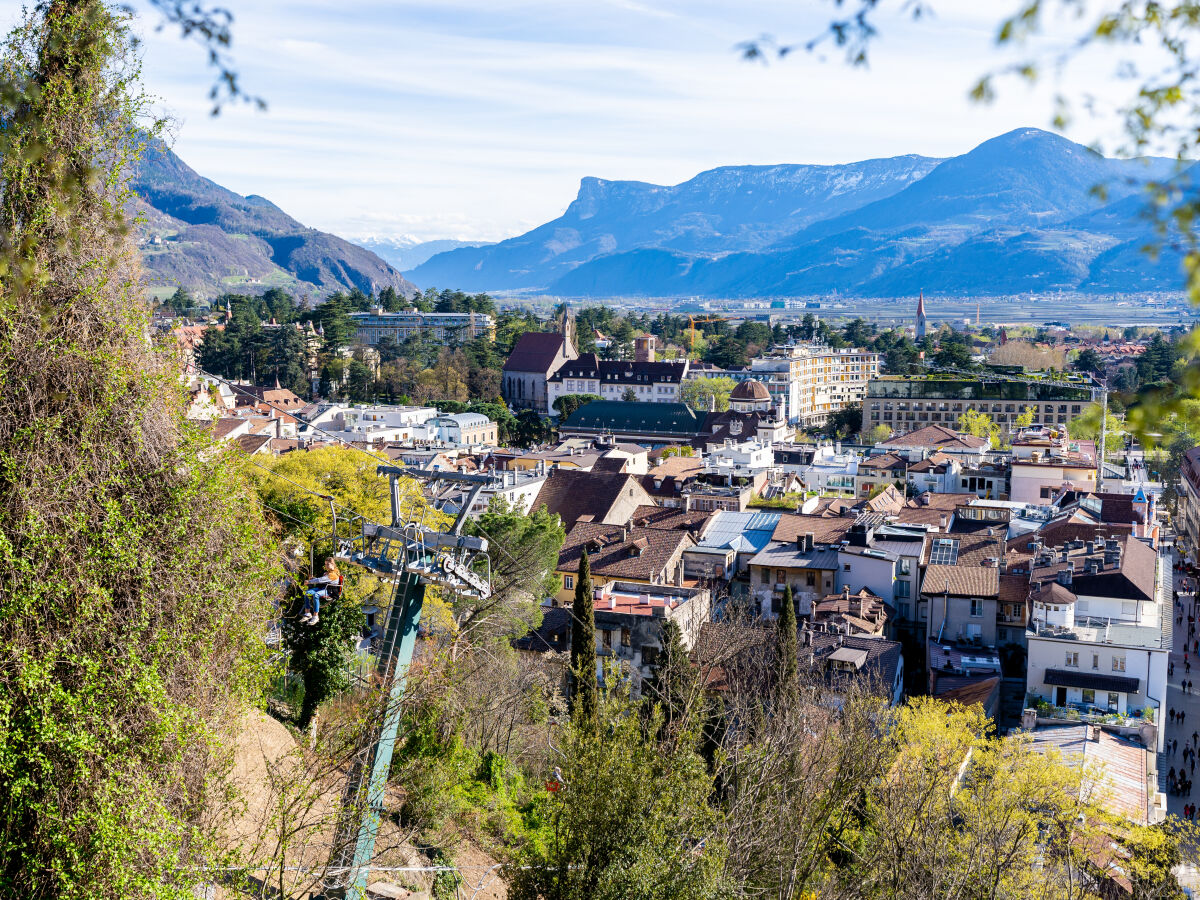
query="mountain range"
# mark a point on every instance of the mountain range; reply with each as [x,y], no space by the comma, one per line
[1025,211]
[406,252]
[196,234]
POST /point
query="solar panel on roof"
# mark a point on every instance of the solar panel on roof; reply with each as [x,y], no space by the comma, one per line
[944,552]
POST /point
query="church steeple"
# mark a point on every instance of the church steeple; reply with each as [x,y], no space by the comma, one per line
[921,315]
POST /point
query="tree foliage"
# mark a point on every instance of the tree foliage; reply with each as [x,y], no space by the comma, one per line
[707,393]
[133,577]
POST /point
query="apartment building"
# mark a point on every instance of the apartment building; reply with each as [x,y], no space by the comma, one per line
[810,381]
[371,327]
[904,403]
[1188,521]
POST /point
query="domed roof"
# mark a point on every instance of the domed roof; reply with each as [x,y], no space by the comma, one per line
[750,390]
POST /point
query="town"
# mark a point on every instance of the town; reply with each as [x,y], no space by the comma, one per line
[621,451]
[933,502]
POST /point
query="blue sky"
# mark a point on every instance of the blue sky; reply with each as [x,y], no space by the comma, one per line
[477,118]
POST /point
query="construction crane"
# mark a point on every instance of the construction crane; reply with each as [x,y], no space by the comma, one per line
[692,320]
[410,553]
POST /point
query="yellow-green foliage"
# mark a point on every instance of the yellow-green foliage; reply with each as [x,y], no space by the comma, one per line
[133,578]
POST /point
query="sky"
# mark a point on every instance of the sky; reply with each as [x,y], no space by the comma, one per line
[476,119]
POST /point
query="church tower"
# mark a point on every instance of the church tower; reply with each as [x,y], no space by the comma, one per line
[921,316]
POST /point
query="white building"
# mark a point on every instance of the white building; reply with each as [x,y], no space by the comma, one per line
[744,460]
[1100,629]
[831,469]
[613,379]
[517,488]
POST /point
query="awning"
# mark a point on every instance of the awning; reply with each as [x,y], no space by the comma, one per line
[1091,680]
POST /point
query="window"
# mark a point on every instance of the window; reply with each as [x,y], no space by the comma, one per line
[906,567]
[766,576]
[624,637]
[902,589]
[1114,700]
[976,609]
[606,638]
[1118,664]
[810,578]
[1089,697]
[904,610]
[1095,660]
[1002,635]
[1073,659]
[568,581]
[780,576]
[1044,493]
[1129,608]
[649,656]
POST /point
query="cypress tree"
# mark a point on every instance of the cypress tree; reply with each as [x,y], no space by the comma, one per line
[788,646]
[583,645]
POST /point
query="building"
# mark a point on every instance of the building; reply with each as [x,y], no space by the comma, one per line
[629,618]
[534,358]
[727,544]
[516,489]
[854,613]
[960,589]
[1188,520]
[1100,627]
[372,327]
[640,554]
[612,379]
[922,325]
[803,555]
[609,498]
[905,403]
[464,429]
[923,443]
[873,662]
[809,381]
[1046,462]
[649,423]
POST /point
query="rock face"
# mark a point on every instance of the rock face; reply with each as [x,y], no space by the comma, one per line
[201,236]
[1019,212]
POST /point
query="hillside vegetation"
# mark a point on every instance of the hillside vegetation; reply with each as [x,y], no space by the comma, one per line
[201,236]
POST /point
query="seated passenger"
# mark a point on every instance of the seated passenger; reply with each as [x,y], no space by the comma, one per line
[328,585]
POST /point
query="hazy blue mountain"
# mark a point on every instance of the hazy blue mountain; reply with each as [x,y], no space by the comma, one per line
[1019,212]
[407,253]
[208,239]
[731,208]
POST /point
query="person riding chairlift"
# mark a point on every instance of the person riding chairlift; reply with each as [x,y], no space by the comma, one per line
[329,585]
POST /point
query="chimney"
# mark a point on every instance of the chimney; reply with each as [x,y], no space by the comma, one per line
[624,532]
[612,602]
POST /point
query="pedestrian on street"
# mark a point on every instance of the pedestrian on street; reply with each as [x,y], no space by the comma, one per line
[1171,713]
[1181,712]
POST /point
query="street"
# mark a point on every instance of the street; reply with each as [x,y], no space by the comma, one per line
[1180,701]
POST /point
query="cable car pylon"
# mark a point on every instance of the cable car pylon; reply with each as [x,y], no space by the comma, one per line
[411,555]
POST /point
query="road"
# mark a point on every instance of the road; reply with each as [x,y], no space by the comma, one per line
[1177,699]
